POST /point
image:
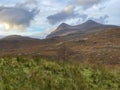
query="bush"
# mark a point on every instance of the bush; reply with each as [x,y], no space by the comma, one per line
[25,73]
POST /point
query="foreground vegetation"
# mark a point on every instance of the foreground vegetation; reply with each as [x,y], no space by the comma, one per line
[25,73]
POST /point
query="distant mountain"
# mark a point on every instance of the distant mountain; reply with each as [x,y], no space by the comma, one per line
[89,26]
[17,37]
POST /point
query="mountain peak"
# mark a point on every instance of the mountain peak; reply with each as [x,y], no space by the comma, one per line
[90,21]
[86,27]
[16,37]
[13,36]
[63,25]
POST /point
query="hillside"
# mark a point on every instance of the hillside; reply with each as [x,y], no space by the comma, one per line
[98,47]
[16,37]
[87,27]
[26,73]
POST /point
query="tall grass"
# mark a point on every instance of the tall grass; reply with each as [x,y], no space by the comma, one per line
[24,73]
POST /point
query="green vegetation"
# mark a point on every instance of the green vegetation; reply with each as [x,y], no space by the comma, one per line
[25,73]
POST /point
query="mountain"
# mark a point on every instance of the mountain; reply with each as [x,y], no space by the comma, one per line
[17,37]
[97,47]
[89,26]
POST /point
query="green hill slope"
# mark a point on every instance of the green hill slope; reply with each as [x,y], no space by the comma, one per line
[19,73]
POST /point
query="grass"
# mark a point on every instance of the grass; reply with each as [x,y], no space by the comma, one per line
[25,73]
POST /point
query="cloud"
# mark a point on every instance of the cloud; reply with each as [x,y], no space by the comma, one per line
[31,1]
[28,4]
[88,3]
[16,18]
[83,16]
[67,13]
[101,19]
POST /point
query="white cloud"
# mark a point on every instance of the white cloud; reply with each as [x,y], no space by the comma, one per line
[16,18]
[88,3]
[58,11]
[67,13]
[69,9]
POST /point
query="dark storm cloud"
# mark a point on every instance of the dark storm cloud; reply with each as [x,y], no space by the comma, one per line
[16,17]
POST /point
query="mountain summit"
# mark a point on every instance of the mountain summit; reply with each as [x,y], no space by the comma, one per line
[61,27]
[16,37]
[88,26]
[90,21]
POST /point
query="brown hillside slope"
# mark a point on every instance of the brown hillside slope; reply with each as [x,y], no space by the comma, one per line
[98,47]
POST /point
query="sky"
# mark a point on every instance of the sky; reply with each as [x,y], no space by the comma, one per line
[38,18]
